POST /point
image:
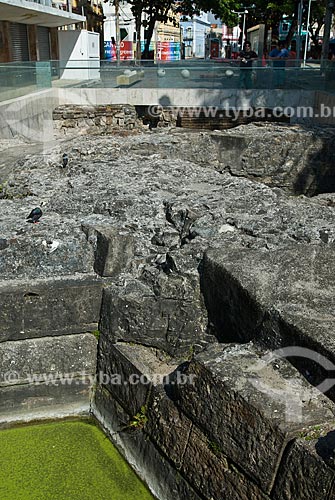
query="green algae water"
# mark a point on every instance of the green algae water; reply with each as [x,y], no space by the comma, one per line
[70,460]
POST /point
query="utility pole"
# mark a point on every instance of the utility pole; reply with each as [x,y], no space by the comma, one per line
[298,49]
[307,32]
[117,30]
[326,33]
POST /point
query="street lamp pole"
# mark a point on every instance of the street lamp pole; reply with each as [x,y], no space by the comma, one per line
[117,31]
[244,12]
[300,9]
[307,31]
[243,29]
[326,35]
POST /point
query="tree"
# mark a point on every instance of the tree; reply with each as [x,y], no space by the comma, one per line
[165,10]
[268,13]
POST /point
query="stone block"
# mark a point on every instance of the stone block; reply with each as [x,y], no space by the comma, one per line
[118,371]
[130,79]
[279,297]
[248,407]
[174,319]
[303,474]
[115,251]
[53,359]
[207,469]
[168,428]
[20,403]
[44,308]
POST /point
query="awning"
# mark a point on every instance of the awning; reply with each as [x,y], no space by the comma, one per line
[30,12]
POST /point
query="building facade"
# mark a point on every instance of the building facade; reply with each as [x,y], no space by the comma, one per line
[28,29]
[165,43]
[194,32]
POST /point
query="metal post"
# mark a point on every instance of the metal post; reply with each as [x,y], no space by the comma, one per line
[301,6]
[307,31]
[243,29]
[117,31]
[326,34]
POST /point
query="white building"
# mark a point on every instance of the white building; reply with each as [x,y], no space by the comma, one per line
[28,28]
[195,31]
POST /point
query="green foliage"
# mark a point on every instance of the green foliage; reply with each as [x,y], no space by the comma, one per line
[312,433]
[140,419]
[269,13]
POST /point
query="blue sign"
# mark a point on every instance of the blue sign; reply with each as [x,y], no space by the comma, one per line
[108,50]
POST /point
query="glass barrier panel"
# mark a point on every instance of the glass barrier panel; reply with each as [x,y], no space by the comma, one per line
[19,79]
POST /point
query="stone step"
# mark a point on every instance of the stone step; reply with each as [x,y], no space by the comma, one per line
[47,307]
[47,376]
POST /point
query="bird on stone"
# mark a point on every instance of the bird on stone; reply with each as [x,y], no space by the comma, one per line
[34,215]
[65,160]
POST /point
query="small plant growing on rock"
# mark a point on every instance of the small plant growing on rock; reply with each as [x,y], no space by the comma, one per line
[310,434]
[215,448]
[96,334]
[140,419]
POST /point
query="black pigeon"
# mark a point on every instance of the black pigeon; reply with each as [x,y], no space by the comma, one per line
[65,160]
[34,215]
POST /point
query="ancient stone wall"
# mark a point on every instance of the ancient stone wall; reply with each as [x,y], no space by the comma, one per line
[94,119]
[197,269]
[107,119]
[47,349]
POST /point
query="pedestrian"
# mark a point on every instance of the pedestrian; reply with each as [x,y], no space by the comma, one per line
[279,55]
[246,58]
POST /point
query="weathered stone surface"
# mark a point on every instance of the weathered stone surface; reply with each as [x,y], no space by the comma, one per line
[199,460]
[208,470]
[250,408]
[49,248]
[164,481]
[95,119]
[169,428]
[285,298]
[304,474]
[49,307]
[301,162]
[54,359]
[119,373]
[170,315]
[174,194]
[115,251]
[31,402]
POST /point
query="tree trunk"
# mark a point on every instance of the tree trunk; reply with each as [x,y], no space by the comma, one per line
[138,25]
[137,13]
[294,24]
[150,32]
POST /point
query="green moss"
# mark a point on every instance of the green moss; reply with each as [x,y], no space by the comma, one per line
[64,461]
[96,334]
[215,448]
